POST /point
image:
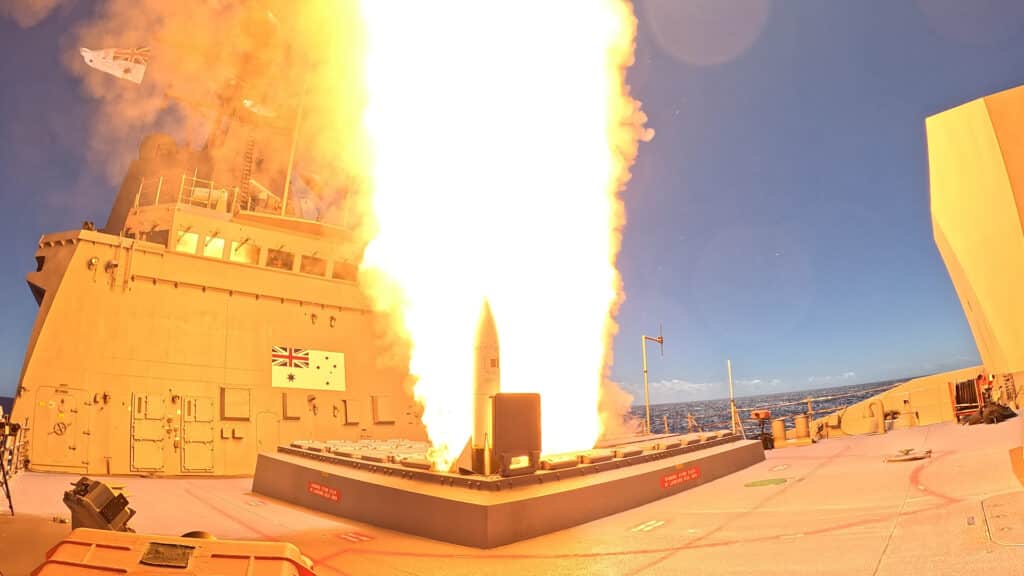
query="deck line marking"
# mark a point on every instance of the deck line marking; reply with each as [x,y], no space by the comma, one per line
[228,515]
[782,490]
[653,526]
[643,526]
[914,480]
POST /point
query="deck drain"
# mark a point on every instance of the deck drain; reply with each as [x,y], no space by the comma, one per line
[767,482]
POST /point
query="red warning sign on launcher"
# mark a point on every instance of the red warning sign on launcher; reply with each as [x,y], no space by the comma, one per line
[679,476]
[324,491]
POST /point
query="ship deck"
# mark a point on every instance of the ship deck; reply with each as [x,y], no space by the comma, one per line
[830,508]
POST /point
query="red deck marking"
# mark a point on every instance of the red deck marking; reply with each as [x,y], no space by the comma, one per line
[324,562]
[915,482]
[676,478]
[321,564]
[323,491]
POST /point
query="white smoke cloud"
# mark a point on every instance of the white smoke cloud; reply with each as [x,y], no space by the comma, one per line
[845,376]
[758,383]
[28,13]
[681,390]
[678,385]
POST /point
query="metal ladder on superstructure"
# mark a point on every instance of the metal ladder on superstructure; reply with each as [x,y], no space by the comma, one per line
[248,157]
[8,457]
[1009,393]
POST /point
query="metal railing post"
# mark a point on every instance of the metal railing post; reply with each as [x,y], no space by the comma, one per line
[647,397]
[159,185]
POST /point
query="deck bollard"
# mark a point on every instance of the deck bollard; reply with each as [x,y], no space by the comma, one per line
[779,431]
[802,428]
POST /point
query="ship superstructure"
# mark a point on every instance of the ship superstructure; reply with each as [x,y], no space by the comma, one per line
[203,323]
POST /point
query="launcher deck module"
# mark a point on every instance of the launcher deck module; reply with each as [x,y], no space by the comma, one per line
[390,484]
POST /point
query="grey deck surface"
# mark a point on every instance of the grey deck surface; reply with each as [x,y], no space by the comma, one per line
[841,510]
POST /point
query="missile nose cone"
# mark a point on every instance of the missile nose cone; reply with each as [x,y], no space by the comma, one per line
[486,331]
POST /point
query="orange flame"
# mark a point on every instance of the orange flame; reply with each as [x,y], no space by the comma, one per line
[500,139]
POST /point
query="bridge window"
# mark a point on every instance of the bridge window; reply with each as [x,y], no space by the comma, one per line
[344,271]
[187,242]
[313,265]
[214,247]
[244,252]
[280,259]
[157,236]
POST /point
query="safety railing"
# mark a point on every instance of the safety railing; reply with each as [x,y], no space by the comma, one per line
[966,397]
[11,456]
[194,191]
[750,424]
[810,401]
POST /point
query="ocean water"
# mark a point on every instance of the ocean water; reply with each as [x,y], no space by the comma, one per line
[714,414]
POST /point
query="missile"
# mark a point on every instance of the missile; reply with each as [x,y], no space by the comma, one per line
[486,384]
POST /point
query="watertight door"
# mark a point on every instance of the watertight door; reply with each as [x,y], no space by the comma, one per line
[268,431]
[148,432]
[60,431]
[197,438]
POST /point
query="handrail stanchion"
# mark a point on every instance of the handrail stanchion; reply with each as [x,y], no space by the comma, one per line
[159,185]
[734,415]
[732,400]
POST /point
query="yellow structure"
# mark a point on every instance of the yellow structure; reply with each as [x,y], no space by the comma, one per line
[976,168]
[199,327]
[917,402]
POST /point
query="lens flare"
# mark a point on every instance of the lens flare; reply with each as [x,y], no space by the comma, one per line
[500,136]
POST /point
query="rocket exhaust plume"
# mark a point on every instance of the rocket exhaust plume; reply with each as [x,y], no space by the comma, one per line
[500,137]
[480,148]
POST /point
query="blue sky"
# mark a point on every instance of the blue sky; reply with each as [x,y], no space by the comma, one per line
[779,217]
